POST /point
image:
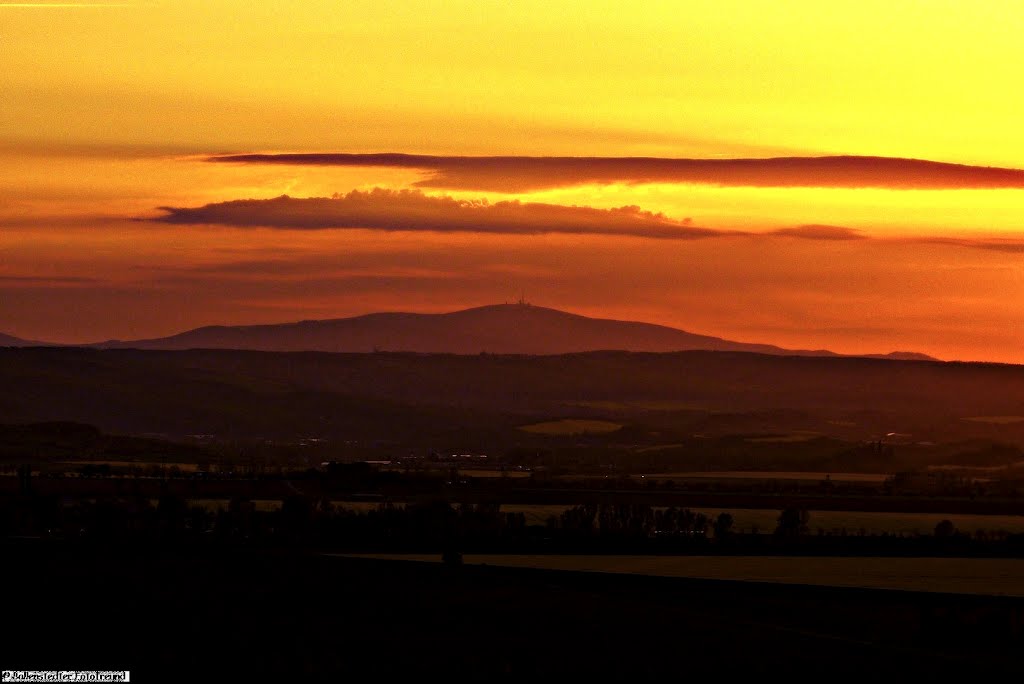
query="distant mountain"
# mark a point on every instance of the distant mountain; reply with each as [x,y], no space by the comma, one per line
[11,341]
[497,329]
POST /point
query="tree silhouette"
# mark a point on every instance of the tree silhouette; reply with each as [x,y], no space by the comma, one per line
[792,523]
[723,525]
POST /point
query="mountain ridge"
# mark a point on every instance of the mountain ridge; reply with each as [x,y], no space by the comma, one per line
[12,341]
[499,329]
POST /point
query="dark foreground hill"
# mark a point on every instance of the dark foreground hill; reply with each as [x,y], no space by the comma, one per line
[420,398]
[499,329]
[168,615]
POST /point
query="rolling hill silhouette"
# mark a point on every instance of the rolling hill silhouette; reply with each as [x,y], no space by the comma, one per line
[430,400]
[12,341]
[497,329]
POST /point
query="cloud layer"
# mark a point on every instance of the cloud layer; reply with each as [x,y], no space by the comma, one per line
[524,174]
[411,210]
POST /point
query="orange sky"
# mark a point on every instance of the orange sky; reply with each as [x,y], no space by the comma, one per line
[109,113]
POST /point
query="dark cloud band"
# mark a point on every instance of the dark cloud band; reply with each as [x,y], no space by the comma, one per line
[411,210]
[414,211]
[522,174]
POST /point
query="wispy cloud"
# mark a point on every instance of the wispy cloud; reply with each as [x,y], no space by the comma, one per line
[73,280]
[522,174]
[1010,245]
[65,5]
[818,231]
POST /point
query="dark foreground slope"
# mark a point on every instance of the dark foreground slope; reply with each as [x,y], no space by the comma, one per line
[238,615]
[385,395]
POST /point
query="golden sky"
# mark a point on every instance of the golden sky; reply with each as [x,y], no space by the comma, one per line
[110,111]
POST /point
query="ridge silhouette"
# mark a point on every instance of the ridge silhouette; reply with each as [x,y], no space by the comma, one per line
[519,328]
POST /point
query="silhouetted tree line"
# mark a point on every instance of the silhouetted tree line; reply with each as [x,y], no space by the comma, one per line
[630,520]
[437,525]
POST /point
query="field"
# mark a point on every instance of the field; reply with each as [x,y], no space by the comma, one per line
[214,505]
[659,447]
[804,436]
[572,427]
[989,576]
[253,615]
[183,467]
[875,478]
[272,505]
[648,405]
[474,472]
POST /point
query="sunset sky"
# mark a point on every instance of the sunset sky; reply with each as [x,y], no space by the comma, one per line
[450,154]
